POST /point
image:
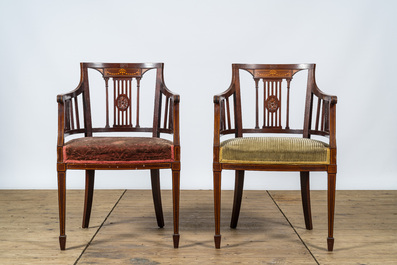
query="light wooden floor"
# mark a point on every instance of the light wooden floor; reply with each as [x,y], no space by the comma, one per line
[271,229]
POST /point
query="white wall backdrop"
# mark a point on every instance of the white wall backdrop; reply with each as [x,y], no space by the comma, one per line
[353,43]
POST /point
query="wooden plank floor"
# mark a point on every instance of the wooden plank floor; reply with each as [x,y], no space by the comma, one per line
[271,230]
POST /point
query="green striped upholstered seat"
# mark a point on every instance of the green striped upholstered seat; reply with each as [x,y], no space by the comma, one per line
[274,150]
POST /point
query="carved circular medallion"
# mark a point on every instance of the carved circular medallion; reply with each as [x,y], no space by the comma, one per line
[272,103]
[122,102]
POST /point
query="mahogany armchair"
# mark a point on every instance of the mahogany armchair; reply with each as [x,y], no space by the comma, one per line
[102,147]
[270,106]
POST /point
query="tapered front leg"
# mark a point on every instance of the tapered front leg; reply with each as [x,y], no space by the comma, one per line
[175,199]
[305,193]
[238,194]
[331,209]
[89,193]
[217,208]
[62,207]
[156,192]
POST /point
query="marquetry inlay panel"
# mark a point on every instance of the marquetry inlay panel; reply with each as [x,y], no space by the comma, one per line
[120,72]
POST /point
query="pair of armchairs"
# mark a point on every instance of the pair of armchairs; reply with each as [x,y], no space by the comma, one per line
[121,115]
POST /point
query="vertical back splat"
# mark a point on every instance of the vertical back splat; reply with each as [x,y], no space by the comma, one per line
[272,80]
[272,103]
[122,102]
[122,95]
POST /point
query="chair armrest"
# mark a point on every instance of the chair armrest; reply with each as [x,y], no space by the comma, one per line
[217,118]
[325,115]
[217,125]
[173,116]
[223,115]
[64,102]
[218,98]
[224,95]
[74,93]
[63,97]
[61,121]
[219,101]
[320,94]
[176,100]
[333,100]
[332,126]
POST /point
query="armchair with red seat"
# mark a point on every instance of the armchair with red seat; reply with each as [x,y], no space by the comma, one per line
[108,147]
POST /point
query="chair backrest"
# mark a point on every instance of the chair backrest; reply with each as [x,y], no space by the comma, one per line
[121,89]
[272,83]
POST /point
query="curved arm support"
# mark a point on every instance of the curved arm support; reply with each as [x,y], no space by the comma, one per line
[332,126]
[61,125]
[217,126]
[227,93]
[332,99]
[77,91]
[176,99]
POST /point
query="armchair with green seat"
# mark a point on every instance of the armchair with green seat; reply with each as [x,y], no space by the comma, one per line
[249,148]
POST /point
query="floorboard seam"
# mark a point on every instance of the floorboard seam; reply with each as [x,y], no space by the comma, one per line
[296,232]
[99,228]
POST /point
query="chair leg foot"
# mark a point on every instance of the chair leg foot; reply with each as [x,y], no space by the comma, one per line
[175,203]
[217,239]
[331,210]
[330,242]
[62,208]
[62,242]
[175,237]
[217,208]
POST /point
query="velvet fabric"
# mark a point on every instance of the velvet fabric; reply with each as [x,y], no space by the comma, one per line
[274,150]
[118,149]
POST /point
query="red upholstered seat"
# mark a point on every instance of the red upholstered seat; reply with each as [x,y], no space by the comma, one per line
[116,149]
[153,135]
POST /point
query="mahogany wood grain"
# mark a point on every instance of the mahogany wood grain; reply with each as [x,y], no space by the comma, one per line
[88,197]
[277,80]
[305,194]
[156,194]
[121,104]
[365,228]
[238,194]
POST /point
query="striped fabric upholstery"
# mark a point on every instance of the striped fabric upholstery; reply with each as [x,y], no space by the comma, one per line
[274,150]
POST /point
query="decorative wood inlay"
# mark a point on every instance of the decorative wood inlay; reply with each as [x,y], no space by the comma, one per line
[272,103]
[130,72]
[272,73]
[123,102]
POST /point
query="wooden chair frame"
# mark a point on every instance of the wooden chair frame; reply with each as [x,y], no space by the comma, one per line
[323,118]
[165,120]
